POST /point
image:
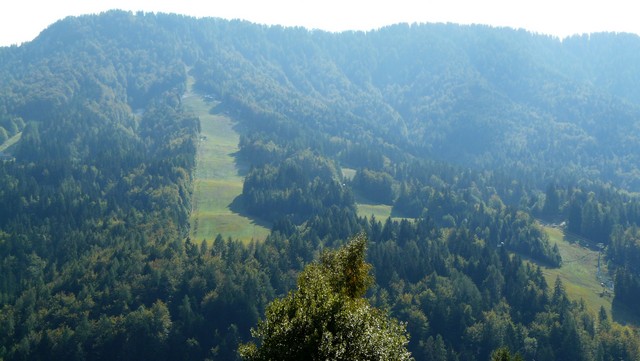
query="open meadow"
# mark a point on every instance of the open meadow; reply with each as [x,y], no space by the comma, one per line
[218,179]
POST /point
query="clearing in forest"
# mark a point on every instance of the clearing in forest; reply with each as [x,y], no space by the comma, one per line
[218,180]
[578,271]
[579,274]
[10,142]
[366,207]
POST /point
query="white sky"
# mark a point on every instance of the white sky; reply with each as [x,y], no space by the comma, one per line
[23,20]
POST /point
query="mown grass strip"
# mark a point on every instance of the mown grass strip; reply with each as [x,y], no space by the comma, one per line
[11,141]
[218,179]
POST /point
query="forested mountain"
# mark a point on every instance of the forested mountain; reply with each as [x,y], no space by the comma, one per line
[467,132]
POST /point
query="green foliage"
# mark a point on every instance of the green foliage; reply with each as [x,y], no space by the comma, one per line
[376,186]
[459,128]
[503,354]
[327,318]
[299,187]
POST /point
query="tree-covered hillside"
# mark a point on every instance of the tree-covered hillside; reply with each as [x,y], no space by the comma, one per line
[468,133]
[475,96]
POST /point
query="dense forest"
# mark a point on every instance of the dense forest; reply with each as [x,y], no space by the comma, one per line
[469,134]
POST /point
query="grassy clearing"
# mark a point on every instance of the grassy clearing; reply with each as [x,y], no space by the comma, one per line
[218,181]
[366,208]
[348,173]
[380,211]
[578,272]
[11,141]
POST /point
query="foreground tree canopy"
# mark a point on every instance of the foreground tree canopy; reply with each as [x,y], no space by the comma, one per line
[327,318]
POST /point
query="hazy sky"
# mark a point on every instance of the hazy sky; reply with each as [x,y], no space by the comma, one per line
[22,20]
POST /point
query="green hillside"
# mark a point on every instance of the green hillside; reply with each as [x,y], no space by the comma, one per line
[579,272]
[580,276]
[218,178]
[122,177]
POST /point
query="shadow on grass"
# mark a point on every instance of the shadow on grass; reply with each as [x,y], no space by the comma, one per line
[217,107]
[241,162]
[581,241]
[237,206]
[623,314]
[395,213]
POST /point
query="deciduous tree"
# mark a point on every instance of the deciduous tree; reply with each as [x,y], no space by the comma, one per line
[327,318]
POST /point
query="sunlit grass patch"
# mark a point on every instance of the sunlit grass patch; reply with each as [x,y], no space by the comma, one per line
[218,179]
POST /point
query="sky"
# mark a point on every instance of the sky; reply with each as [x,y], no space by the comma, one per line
[23,20]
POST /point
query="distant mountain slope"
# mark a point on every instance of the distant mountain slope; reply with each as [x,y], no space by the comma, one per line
[474,95]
